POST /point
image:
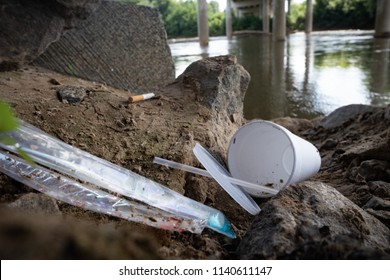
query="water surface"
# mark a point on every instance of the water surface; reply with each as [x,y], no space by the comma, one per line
[304,76]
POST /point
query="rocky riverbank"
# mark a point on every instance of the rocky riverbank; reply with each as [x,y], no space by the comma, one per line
[343,212]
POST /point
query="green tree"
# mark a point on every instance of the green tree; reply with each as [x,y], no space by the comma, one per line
[182,20]
[344,14]
[216,19]
[296,17]
[164,7]
[213,7]
[180,16]
[247,22]
[217,24]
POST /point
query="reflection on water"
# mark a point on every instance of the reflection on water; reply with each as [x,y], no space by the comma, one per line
[303,76]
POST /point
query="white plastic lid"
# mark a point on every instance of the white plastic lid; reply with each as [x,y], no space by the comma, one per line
[219,172]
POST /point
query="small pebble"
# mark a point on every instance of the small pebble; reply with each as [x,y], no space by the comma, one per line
[54,82]
[72,94]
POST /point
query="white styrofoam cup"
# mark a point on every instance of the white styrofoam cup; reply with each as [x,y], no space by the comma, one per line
[265,153]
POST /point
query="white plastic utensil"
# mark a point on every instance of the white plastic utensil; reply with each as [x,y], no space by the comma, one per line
[219,173]
[247,186]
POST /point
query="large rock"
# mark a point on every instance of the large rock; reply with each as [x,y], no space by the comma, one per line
[354,142]
[28,27]
[379,207]
[121,44]
[314,221]
[347,114]
[219,84]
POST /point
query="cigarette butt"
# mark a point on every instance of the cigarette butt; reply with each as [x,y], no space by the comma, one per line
[141,97]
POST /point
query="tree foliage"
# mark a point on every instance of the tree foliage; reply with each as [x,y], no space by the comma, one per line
[335,14]
[344,14]
[247,22]
[180,16]
[182,20]
[296,16]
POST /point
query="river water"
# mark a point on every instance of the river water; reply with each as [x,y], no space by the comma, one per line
[304,76]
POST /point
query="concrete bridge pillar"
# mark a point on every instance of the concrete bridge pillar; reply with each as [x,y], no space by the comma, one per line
[203,24]
[309,17]
[279,22]
[228,16]
[382,21]
[265,16]
[237,11]
[288,6]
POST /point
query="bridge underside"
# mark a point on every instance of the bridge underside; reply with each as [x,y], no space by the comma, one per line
[276,9]
[242,7]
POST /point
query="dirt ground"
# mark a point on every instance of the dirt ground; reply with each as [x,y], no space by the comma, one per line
[130,135]
[106,125]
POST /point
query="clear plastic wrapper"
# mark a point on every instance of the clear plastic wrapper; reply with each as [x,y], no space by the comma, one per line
[92,198]
[76,163]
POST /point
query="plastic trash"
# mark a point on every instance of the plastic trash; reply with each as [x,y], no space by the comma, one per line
[263,158]
[55,154]
[220,174]
[265,153]
[92,198]
[247,186]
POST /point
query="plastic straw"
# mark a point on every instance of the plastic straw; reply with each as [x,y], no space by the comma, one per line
[76,163]
[202,172]
[218,171]
[180,166]
[92,198]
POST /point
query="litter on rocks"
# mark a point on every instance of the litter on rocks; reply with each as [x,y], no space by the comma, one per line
[91,198]
[75,163]
[146,96]
[263,158]
[245,184]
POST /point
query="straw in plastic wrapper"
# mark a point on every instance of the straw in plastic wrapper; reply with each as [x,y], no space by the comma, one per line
[91,198]
[55,154]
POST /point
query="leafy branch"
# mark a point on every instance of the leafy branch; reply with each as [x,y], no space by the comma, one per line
[8,123]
